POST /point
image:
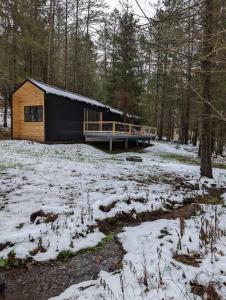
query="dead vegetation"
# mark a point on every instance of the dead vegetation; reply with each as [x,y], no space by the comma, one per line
[164,232]
[107,208]
[43,217]
[4,133]
[38,249]
[214,197]
[206,293]
[192,259]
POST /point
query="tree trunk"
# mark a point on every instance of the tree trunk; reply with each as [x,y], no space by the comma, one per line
[86,48]
[162,108]
[185,121]
[14,49]
[5,124]
[50,39]
[195,134]
[220,138]
[66,45]
[76,48]
[205,143]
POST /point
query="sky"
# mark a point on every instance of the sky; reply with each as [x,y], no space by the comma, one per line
[147,5]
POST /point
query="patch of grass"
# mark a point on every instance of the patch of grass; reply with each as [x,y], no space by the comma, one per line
[67,156]
[106,240]
[219,166]
[10,166]
[180,158]
[189,160]
[4,262]
[10,261]
[65,255]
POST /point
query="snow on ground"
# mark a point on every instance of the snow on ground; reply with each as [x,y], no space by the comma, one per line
[150,268]
[70,182]
[170,148]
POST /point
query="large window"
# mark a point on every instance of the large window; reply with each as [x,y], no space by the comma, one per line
[92,115]
[33,113]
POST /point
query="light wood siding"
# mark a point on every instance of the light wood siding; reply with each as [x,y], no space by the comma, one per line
[27,95]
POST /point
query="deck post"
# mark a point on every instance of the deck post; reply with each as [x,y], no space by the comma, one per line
[126,144]
[101,121]
[110,144]
[113,128]
[137,143]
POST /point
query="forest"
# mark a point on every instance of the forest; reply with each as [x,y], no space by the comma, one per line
[168,67]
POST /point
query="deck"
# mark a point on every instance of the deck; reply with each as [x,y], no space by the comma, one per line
[116,131]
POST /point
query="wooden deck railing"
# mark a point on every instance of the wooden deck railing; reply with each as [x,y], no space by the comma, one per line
[117,128]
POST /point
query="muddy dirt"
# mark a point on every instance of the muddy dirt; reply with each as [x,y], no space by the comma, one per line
[120,220]
[42,281]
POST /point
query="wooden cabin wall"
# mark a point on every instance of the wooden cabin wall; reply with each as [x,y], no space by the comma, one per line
[27,95]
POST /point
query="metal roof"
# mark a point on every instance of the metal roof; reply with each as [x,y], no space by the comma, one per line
[73,96]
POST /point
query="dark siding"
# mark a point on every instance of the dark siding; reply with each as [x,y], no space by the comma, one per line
[64,119]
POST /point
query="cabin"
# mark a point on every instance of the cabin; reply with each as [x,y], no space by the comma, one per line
[47,114]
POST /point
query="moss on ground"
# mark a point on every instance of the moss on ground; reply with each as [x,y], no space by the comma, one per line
[65,255]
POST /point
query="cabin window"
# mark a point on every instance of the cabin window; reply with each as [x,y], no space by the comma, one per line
[92,115]
[33,113]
